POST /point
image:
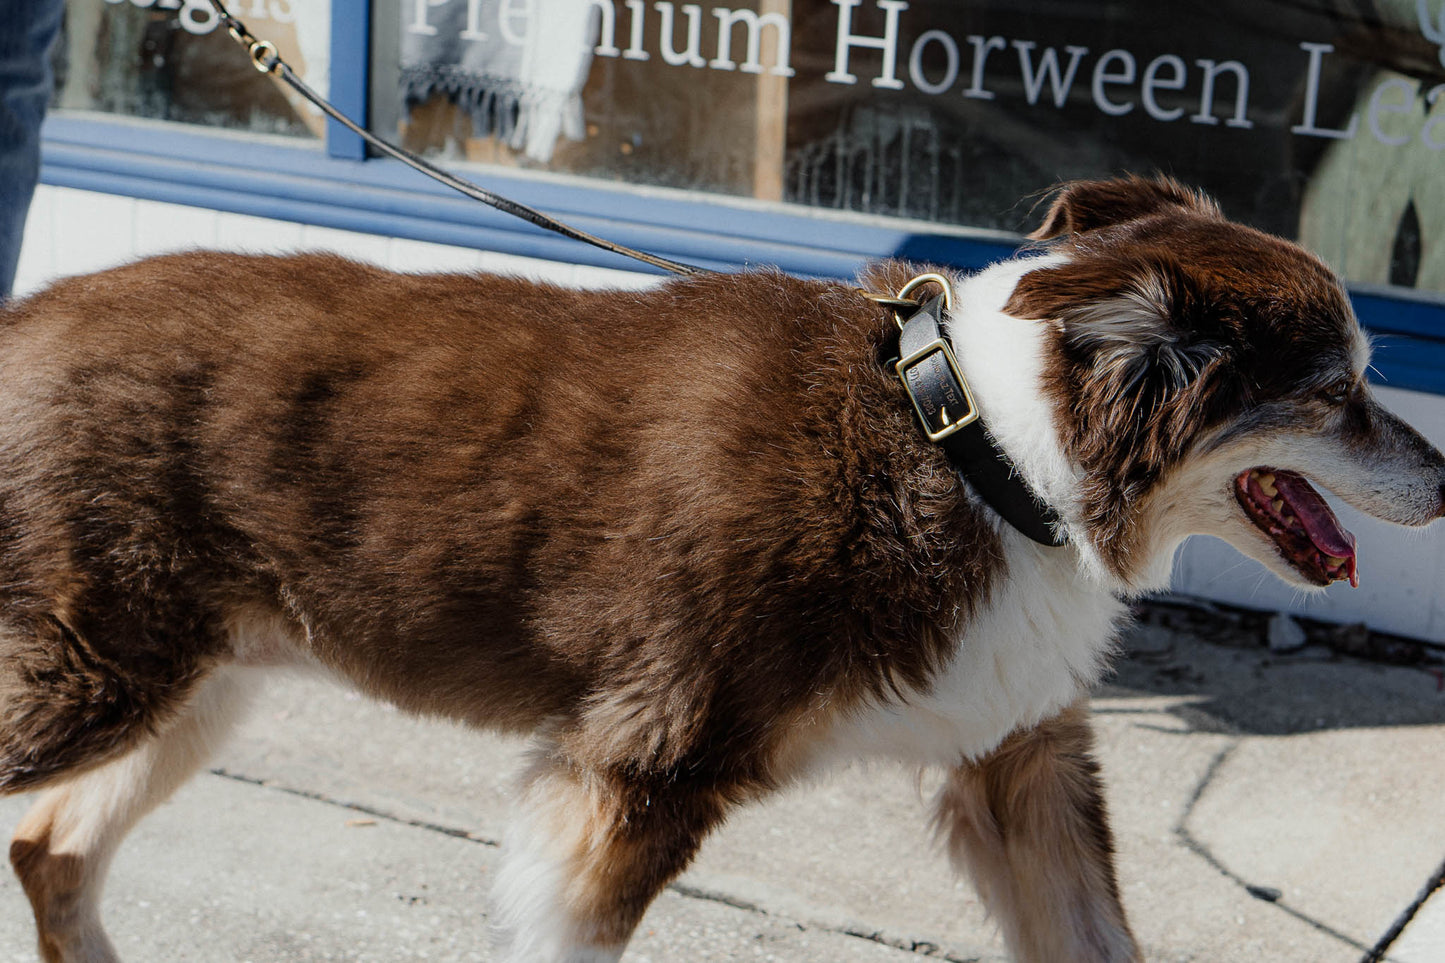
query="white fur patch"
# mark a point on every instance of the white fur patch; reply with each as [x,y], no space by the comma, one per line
[264,638]
[533,921]
[1003,359]
[86,817]
[1028,654]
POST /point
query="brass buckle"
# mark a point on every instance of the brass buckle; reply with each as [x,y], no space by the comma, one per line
[949,426]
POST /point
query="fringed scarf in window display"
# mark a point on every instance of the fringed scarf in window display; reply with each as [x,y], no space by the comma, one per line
[515,68]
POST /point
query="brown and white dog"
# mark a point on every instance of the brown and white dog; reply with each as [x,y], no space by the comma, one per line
[693,539]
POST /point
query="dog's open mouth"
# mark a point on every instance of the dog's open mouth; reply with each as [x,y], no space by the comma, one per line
[1292,513]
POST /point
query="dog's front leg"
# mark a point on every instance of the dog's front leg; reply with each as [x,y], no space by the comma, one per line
[588,853]
[1028,824]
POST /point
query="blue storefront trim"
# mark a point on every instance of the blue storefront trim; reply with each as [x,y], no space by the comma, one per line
[350,72]
[304,182]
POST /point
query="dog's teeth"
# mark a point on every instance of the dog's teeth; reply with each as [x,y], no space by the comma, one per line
[1266,485]
[1278,506]
[1333,562]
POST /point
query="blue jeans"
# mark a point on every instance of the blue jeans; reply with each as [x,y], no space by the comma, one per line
[27,29]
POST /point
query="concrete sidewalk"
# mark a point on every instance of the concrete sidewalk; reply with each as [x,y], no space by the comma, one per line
[1268,808]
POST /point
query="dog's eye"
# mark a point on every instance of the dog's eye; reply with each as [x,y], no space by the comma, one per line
[1339,392]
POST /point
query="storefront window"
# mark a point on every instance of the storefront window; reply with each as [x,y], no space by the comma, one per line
[1318,119]
[171,60]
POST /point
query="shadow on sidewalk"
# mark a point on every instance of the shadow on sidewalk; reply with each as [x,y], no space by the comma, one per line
[1220,661]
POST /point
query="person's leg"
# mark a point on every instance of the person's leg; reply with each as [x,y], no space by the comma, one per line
[27,29]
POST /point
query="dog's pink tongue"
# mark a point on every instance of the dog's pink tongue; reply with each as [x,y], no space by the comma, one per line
[1319,522]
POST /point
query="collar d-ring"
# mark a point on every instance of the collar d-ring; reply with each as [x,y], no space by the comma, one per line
[903,295]
[923,279]
[901,302]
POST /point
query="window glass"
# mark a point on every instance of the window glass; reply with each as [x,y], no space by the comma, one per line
[171,60]
[1318,119]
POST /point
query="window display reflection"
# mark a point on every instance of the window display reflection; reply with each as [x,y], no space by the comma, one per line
[171,60]
[1320,120]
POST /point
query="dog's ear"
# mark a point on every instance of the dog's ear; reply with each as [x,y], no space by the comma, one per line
[1137,335]
[1146,363]
[1089,205]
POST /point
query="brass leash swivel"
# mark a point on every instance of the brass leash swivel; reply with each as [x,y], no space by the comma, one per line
[264,56]
[263,53]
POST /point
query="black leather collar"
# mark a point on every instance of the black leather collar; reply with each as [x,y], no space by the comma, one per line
[947,412]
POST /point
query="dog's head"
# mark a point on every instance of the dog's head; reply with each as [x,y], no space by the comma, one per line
[1203,374]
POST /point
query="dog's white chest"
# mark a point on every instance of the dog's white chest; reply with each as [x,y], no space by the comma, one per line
[1041,640]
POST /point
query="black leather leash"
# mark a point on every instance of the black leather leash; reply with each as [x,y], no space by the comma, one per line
[928,369]
[264,55]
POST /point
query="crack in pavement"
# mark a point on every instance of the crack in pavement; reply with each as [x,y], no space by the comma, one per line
[919,946]
[1182,833]
[357,807]
[858,930]
[1387,940]
[916,945]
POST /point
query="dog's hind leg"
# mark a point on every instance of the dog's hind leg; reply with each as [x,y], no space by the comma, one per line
[1028,823]
[587,855]
[63,846]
